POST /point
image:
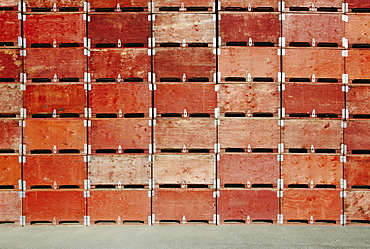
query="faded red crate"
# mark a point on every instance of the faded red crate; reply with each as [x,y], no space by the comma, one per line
[314,5]
[358,100]
[356,136]
[63,100]
[54,136]
[358,66]
[10,208]
[320,171]
[261,28]
[186,99]
[119,207]
[121,171]
[300,29]
[356,29]
[11,64]
[10,172]
[187,135]
[11,136]
[357,207]
[55,65]
[248,206]
[55,207]
[54,171]
[313,65]
[248,170]
[184,28]
[11,28]
[122,100]
[319,135]
[61,5]
[188,5]
[55,29]
[113,29]
[353,4]
[252,99]
[184,169]
[257,64]
[9,3]
[356,171]
[184,206]
[124,5]
[311,206]
[130,65]
[111,135]
[313,100]
[251,5]
[184,64]
[10,100]
[249,134]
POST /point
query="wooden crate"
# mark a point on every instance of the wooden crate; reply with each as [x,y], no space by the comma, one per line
[11,64]
[251,5]
[119,207]
[11,28]
[358,100]
[125,5]
[319,5]
[55,207]
[130,65]
[184,169]
[184,28]
[186,99]
[356,207]
[9,3]
[356,29]
[10,208]
[188,5]
[10,172]
[251,99]
[54,171]
[11,136]
[61,5]
[183,206]
[248,170]
[258,64]
[248,206]
[10,100]
[358,66]
[356,136]
[119,171]
[108,28]
[358,4]
[311,206]
[356,171]
[311,171]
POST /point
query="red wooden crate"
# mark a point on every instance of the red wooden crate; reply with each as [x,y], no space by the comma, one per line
[248,206]
[328,28]
[54,171]
[121,171]
[183,206]
[55,207]
[311,206]
[311,134]
[109,28]
[55,65]
[356,136]
[54,136]
[126,5]
[11,28]
[187,99]
[10,207]
[252,99]
[356,171]
[11,136]
[55,29]
[9,3]
[352,4]
[10,172]
[358,66]
[249,134]
[318,65]
[357,206]
[356,29]
[248,170]
[119,207]
[184,64]
[113,135]
[185,134]
[128,64]
[240,27]
[184,28]
[184,169]
[322,100]
[189,5]
[256,64]
[10,100]
[252,5]
[11,64]
[311,170]
[65,99]
[318,5]
[358,100]
[61,5]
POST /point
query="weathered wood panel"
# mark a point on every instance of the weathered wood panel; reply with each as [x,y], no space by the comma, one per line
[254,5]
[356,170]
[10,172]
[358,100]
[10,99]
[10,28]
[11,136]
[10,65]
[356,135]
[358,65]
[357,206]
[357,28]
[10,207]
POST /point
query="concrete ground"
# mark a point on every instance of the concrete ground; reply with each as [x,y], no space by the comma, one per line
[185,237]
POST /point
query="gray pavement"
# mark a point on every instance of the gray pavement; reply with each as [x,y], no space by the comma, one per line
[185,237]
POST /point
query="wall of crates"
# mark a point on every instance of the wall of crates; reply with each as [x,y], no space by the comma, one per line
[189,112]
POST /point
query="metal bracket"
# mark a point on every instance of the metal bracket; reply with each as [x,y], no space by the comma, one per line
[343,124]
[217,112]
[343,219]
[343,183]
[152,87]
[22,52]
[281,52]
[87,123]
[22,220]
[345,113]
[217,147]
[345,89]
[22,194]
[152,112]
[343,194]
[281,148]
[281,77]
[88,112]
[217,122]
[216,183]
[280,218]
[344,18]
[343,159]
[345,78]
[280,122]
[216,51]
[151,184]
[86,6]
[87,149]
[216,219]
[152,122]
[22,148]
[151,51]
[217,88]
[151,18]
[22,17]
[344,53]
[280,158]
[151,158]
[281,112]
[151,77]
[87,159]
[86,194]
[87,183]
[280,194]
[87,87]
[344,7]
[217,77]
[344,42]
[150,193]
[281,41]
[216,194]
[87,220]
[281,6]
[87,77]
[87,52]
[282,17]
[21,159]
[86,17]
[343,148]
[280,183]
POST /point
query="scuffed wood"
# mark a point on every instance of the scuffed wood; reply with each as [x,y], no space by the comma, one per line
[10,98]
[356,170]
[187,3]
[10,64]
[252,3]
[50,3]
[113,3]
[11,26]
[8,3]
[357,28]
[358,64]
[317,3]
[358,4]
[10,206]
[10,171]
[10,135]
[357,206]
[358,99]
[356,135]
